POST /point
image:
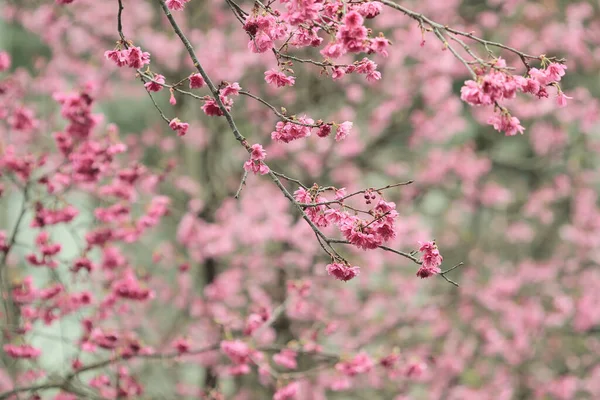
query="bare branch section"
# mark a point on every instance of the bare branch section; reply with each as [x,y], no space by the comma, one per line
[429,25]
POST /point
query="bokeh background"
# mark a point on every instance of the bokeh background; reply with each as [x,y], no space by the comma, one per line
[520,212]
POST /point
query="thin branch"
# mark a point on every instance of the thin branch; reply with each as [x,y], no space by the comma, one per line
[423,20]
[279,114]
[340,200]
[242,183]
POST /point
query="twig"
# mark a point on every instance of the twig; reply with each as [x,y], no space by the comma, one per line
[242,183]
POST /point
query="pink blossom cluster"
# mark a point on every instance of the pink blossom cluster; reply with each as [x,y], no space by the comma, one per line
[431,259]
[288,131]
[156,84]
[371,234]
[359,364]
[45,216]
[286,358]
[129,287]
[278,78]
[5,61]
[341,271]
[180,127]
[364,67]
[263,31]
[196,81]
[241,355]
[303,126]
[287,392]
[76,107]
[47,251]
[255,320]
[23,119]
[22,351]
[176,5]
[211,106]
[256,163]
[498,85]
[132,57]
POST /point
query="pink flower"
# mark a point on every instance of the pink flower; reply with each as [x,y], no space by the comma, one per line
[182,345]
[156,84]
[360,364]
[337,73]
[256,164]
[119,57]
[22,351]
[333,50]
[539,75]
[278,78]
[415,369]
[287,392]
[366,67]
[257,152]
[431,259]
[136,58]
[176,5]
[555,71]
[342,272]
[352,34]
[506,123]
[212,109]
[4,61]
[129,288]
[324,130]
[370,9]
[286,358]
[238,352]
[172,99]
[196,81]
[178,126]
[343,130]
[490,88]
[231,89]
[561,99]
[287,131]
[379,45]
[133,57]
[302,196]
[353,19]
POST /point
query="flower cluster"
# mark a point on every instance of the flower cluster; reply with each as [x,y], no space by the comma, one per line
[240,354]
[22,351]
[287,131]
[278,78]
[211,106]
[176,5]
[256,163]
[343,272]
[263,31]
[497,85]
[132,57]
[431,260]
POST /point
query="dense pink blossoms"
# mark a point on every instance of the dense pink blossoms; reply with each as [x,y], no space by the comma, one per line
[498,85]
[287,131]
[245,275]
[342,272]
